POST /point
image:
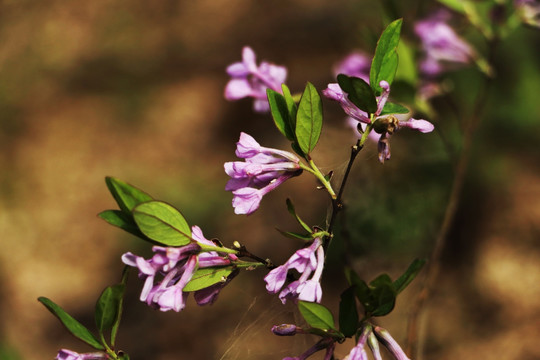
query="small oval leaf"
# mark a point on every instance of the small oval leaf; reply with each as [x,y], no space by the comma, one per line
[393,108]
[316,315]
[162,223]
[206,277]
[359,92]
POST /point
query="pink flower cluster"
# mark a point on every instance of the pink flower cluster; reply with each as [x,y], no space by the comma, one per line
[169,270]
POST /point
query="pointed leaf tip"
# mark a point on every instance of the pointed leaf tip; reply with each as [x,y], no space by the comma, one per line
[73,326]
[309,119]
[162,223]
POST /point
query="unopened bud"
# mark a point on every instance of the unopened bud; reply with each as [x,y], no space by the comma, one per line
[374,346]
[388,341]
[284,329]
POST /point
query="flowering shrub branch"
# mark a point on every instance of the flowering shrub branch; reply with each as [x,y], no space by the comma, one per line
[184,261]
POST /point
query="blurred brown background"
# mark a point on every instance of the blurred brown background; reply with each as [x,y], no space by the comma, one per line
[133,89]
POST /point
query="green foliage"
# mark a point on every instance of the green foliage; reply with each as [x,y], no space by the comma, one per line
[122,220]
[162,223]
[385,60]
[108,307]
[73,326]
[391,108]
[206,277]
[292,211]
[126,196]
[359,92]
[280,114]
[456,5]
[309,119]
[295,235]
[383,295]
[405,279]
[119,306]
[316,315]
[292,108]
[378,298]
[348,313]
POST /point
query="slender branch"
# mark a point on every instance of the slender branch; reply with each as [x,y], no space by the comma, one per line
[434,263]
[337,203]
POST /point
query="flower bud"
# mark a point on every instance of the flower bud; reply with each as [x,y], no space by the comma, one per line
[388,341]
[284,329]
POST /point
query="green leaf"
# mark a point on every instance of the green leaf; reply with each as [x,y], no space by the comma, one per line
[407,69]
[292,211]
[297,149]
[392,108]
[123,221]
[309,119]
[291,105]
[162,223]
[385,61]
[280,113]
[295,235]
[206,277]
[127,196]
[404,280]
[120,304]
[348,313]
[364,295]
[456,5]
[73,326]
[316,315]
[107,307]
[383,294]
[359,92]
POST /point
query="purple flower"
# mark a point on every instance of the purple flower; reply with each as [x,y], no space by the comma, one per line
[65,354]
[384,125]
[326,343]
[262,170]
[388,341]
[309,262]
[442,46]
[334,92]
[374,346]
[358,352]
[355,64]
[528,11]
[250,80]
[174,266]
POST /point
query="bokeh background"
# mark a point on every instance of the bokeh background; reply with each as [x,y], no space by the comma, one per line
[134,89]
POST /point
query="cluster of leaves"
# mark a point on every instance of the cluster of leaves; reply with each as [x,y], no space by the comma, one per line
[377,298]
[302,123]
[159,223]
[107,314]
